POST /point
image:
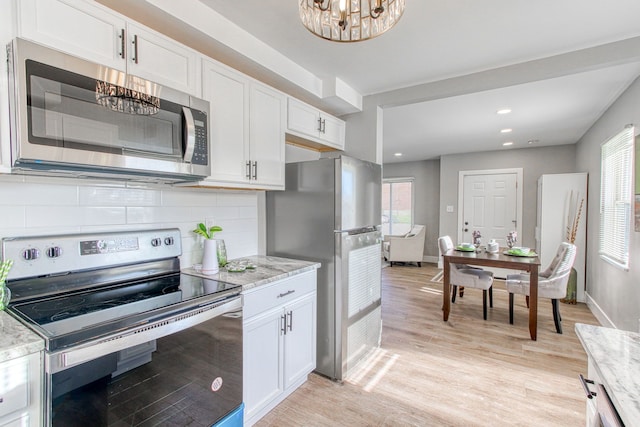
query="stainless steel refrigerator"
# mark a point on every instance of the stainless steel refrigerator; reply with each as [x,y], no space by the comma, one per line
[330,212]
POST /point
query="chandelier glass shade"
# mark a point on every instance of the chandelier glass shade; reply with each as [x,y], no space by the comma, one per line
[350,20]
[126,100]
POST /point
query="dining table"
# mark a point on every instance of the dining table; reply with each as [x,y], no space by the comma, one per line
[501,259]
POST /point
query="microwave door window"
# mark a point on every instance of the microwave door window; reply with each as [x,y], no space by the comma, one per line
[66,114]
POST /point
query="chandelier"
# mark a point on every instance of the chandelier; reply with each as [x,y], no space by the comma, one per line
[350,20]
[126,100]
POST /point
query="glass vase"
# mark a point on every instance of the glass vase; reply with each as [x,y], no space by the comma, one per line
[5,296]
[221,251]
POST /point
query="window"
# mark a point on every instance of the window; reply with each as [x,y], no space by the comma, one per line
[397,206]
[615,198]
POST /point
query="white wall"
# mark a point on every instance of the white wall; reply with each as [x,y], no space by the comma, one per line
[44,206]
[612,293]
[533,161]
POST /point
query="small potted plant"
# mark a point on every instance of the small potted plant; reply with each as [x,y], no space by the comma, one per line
[210,262]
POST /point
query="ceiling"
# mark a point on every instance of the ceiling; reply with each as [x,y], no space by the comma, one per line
[445,69]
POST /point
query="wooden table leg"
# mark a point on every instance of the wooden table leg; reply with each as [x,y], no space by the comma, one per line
[446,291]
[533,302]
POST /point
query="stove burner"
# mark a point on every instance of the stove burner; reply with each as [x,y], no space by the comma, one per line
[56,305]
[69,306]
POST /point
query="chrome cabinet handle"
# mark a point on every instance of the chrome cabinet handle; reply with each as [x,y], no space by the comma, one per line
[324,125]
[585,385]
[319,124]
[283,324]
[248,169]
[122,45]
[290,314]
[255,170]
[284,294]
[135,48]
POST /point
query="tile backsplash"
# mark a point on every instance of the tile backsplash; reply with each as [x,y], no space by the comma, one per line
[31,205]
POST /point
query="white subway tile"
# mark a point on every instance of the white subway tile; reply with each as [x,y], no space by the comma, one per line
[20,193]
[57,216]
[188,197]
[238,199]
[114,196]
[12,216]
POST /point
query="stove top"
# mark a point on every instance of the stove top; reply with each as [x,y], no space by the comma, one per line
[72,289]
[72,319]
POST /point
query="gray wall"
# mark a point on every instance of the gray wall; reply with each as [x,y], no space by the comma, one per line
[533,161]
[613,294]
[426,193]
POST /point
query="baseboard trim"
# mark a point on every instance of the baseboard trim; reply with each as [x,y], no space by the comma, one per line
[598,312]
[431,259]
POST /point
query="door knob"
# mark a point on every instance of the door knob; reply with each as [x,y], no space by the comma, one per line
[466,223]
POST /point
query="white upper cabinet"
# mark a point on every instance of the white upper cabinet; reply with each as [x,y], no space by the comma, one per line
[247,130]
[93,32]
[76,27]
[307,122]
[266,133]
[162,60]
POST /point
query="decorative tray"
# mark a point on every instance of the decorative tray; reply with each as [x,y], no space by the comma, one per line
[530,254]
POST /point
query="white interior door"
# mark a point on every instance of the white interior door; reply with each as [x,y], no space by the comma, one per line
[489,206]
[491,202]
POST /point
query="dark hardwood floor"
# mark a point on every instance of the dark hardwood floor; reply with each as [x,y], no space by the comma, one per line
[464,372]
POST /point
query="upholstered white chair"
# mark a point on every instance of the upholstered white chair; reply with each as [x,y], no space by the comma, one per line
[552,282]
[405,248]
[463,275]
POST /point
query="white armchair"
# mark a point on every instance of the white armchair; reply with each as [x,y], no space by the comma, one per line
[405,248]
[463,275]
[552,282]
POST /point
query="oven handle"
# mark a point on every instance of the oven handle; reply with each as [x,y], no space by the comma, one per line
[65,359]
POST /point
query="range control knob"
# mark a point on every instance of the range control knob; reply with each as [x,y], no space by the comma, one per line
[168,241]
[156,242]
[31,254]
[54,251]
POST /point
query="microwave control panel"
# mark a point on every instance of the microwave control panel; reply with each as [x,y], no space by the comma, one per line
[201,149]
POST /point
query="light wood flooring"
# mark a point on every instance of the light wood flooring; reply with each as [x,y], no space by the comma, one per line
[464,372]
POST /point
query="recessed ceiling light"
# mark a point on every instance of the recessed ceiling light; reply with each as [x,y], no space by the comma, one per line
[398,154]
[504,111]
[508,143]
[532,141]
[506,130]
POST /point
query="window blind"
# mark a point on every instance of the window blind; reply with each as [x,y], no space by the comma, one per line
[616,197]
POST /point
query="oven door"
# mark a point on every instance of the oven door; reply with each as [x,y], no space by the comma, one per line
[182,370]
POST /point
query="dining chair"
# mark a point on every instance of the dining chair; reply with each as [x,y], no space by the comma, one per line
[467,276]
[552,282]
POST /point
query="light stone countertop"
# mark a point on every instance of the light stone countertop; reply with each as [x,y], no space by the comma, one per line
[269,269]
[16,340]
[616,356]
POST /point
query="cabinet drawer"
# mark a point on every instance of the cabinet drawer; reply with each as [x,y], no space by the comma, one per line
[14,380]
[278,293]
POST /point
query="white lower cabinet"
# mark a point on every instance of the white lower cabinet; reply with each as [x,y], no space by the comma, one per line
[279,339]
[21,391]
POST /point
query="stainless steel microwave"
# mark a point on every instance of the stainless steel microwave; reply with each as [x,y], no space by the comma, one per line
[72,117]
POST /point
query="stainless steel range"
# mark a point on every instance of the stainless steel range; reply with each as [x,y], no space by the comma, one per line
[129,339]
